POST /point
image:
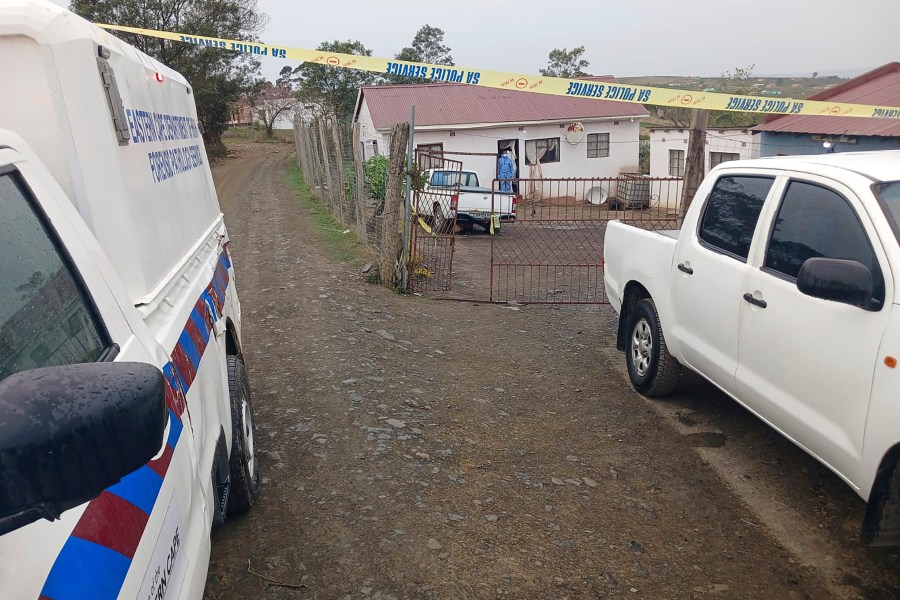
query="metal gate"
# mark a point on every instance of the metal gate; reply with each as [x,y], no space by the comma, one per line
[553,252]
[433,227]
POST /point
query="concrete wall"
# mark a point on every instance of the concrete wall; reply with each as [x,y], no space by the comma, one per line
[735,141]
[794,144]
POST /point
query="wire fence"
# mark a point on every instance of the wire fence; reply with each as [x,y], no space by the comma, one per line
[354,189]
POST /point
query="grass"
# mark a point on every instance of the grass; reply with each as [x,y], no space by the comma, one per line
[251,134]
[342,247]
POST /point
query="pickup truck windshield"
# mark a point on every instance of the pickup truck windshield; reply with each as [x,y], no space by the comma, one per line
[448,178]
[889,195]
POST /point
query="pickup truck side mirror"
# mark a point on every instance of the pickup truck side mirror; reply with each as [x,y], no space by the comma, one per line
[845,281]
[69,432]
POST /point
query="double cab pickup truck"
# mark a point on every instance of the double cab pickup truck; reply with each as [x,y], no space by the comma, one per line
[782,289]
[452,196]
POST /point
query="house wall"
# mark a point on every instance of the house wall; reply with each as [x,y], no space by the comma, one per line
[735,141]
[774,143]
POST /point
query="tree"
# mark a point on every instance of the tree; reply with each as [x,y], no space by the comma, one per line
[815,74]
[218,76]
[736,82]
[563,63]
[274,101]
[427,47]
[332,91]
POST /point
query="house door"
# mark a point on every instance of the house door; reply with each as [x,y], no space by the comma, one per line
[513,147]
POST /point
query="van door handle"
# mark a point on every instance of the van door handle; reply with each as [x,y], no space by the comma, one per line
[760,303]
[685,269]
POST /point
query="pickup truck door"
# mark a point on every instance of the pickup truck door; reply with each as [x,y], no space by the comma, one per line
[806,365]
[709,269]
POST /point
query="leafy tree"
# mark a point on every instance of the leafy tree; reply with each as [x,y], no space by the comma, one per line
[218,77]
[815,74]
[332,91]
[736,82]
[563,63]
[427,47]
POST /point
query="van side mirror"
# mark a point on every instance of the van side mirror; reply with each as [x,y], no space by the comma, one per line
[69,432]
[845,281]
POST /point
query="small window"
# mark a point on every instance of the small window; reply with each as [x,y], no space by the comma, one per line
[816,222]
[542,151]
[731,212]
[717,158]
[676,163]
[374,147]
[45,318]
[597,145]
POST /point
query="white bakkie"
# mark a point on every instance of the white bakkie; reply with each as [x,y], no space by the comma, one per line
[126,423]
[450,194]
[781,288]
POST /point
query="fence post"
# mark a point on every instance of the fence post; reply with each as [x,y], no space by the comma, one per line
[407,201]
[342,186]
[694,162]
[327,164]
[360,187]
[393,207]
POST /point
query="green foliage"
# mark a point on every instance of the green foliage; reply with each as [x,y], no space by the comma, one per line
[330,91]
[375,171]
[218,76]
[349,180]
[427,47]
[563,63]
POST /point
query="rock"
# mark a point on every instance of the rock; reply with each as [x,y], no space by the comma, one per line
[572,458]
[367,267]
[589,482]
[470,441]
[713,588]
[415,431]
[349,382]
[433,544]
[558,481]
[635,547]
[384,333]
[633,590]
[574,482]
[456,517]
[499,390]
[416,391]
[396,423]
[423,456]
[492,518]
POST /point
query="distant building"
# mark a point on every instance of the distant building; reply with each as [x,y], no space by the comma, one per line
[549,136]
[787,135]
[668,148]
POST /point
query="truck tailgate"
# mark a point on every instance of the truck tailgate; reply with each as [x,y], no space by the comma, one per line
[634,254]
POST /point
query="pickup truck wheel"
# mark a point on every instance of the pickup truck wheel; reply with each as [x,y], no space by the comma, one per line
[244,465]
[652,370]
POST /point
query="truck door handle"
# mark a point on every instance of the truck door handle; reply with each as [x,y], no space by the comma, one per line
[760,303]
[685,269]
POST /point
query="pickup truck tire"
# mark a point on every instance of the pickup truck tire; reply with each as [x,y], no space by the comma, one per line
[652,370]
[244,465]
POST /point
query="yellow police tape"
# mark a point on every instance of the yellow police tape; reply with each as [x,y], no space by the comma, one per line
[556,86]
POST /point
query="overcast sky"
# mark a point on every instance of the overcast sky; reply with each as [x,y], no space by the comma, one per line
[623,38]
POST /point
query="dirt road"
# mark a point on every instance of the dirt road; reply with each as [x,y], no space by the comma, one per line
[415,448]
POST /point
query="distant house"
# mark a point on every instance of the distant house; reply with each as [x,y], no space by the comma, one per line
[241,113]
[786,135]
[549,136]
[668,148]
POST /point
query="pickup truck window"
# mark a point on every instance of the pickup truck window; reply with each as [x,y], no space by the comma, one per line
[731,213]
[816,222]
[451,178]
[45,319]
[888,193]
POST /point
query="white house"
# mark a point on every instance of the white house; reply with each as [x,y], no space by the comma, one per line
[668,148]
[549,136]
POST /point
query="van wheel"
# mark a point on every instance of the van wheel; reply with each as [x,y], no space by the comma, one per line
[244,464]
[652,370]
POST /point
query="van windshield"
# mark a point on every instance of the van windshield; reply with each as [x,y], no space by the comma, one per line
[448,178]
[888,194]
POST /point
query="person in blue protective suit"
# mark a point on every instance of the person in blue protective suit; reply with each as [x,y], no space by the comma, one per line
[506,170]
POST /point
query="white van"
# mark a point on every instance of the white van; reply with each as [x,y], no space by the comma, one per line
[126,424]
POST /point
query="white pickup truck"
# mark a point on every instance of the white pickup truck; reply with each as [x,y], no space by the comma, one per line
[448,194]
[781,288]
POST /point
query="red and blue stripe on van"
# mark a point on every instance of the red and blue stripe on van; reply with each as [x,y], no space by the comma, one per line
[95,560]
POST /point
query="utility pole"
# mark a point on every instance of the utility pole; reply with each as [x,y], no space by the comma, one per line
[695,160]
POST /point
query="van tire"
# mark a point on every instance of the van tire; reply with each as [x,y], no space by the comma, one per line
[652,370]
[244,464]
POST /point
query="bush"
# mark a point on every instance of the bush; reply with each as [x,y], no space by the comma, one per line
[375,171]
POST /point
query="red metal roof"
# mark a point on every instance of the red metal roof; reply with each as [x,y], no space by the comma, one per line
[880,87]
[460,104]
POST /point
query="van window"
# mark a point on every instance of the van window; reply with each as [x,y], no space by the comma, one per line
[731,212]
[45,319]
[816,222]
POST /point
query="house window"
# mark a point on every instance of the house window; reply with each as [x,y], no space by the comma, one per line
[717,158]
[431,155]
[374,147]
[544,150]
[597,145]
[676,163]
